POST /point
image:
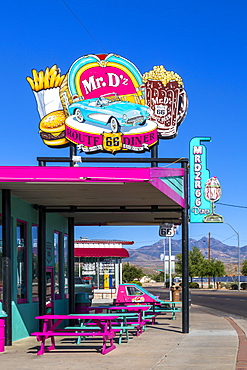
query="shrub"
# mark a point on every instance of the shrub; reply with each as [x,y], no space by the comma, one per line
[228,284]
[234,287]
[194,285]
[136,282]
[210,286]
[243,286]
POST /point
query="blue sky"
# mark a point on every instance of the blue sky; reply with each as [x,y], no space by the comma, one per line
[204,42]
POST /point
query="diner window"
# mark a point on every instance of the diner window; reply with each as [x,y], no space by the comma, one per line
[57,259]
[1,261]
[35,264]
[65,264]
[21,236]
[107,273]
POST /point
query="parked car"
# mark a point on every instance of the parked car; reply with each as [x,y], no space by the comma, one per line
[110,109]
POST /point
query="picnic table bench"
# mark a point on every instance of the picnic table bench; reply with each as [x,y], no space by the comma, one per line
[129,318]
[103,328]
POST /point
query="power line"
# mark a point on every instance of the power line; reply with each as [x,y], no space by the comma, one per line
[231,205]
[85,28]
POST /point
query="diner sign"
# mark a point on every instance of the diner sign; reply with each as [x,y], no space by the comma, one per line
[204,191]
[104,103]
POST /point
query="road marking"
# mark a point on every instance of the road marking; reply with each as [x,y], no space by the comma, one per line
[228,298]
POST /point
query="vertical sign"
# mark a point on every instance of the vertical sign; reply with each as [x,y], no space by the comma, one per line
[199,174]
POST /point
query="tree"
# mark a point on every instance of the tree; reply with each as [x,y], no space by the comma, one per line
[204,270]
[244,268]
[178,264]
[199,266]
[131,272]
[158,277]
[216,268]
[196,260]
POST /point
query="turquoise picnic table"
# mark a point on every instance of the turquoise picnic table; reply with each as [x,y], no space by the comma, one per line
[129,318]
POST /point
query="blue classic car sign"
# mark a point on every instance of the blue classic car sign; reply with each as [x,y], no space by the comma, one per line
[110,110]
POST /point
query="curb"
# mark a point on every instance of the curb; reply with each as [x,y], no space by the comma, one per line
[242,346]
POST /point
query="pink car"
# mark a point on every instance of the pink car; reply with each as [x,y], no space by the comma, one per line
[133,293]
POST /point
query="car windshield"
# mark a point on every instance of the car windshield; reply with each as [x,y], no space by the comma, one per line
[106,100]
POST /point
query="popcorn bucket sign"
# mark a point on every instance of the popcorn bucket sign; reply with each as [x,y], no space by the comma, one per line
[104,103]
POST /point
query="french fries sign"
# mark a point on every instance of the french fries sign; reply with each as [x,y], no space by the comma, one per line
[104,103]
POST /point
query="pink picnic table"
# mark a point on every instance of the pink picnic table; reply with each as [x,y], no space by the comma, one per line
[51,323]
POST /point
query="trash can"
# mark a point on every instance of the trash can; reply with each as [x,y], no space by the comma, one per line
[175,293]
[2,327]
[82,302]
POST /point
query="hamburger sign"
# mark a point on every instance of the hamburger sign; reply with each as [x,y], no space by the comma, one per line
[104,103]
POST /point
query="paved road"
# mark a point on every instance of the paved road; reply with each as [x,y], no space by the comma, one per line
[231,302]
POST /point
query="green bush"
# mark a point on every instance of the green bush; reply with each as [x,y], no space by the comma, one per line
[136,282]
[210,286]
[234,287]
[194,285]
[243,286]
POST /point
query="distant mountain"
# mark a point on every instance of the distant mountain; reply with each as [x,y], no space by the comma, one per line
[149,256]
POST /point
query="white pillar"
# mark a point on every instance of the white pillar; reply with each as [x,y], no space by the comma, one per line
[120,271]
[116,273]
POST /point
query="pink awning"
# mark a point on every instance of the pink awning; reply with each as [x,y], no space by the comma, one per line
[101,252]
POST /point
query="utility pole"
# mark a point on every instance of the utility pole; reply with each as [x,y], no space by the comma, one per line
[238,253]
[208,256]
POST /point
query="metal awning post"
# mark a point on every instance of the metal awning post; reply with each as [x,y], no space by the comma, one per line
[71,273]
[42,261]
[185,255]
[7,264]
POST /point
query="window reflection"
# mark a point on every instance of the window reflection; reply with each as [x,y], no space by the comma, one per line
[57,263]
[21,260]
[35,264]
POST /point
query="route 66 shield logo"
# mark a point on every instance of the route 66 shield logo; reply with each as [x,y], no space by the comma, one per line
[112,142]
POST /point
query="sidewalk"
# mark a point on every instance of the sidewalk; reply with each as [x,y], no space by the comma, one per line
[211,344]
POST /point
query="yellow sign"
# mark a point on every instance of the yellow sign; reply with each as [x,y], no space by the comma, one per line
[112,142]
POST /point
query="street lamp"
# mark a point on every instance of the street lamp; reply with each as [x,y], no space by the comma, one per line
[238,253]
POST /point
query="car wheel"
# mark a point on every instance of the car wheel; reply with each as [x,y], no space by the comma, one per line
[114,124]
[78,115]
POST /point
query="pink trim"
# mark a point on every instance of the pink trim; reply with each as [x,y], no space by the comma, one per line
[95,241]
[73,174]
[94,174]
[101,252]
[59,262]
[85,174]
[24,300]
[164,188]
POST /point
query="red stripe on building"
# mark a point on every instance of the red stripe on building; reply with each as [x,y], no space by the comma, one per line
[101,252]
